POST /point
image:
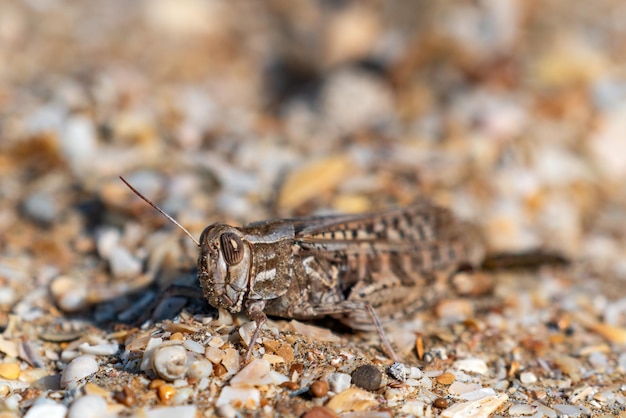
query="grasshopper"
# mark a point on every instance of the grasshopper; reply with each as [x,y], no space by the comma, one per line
[363,269]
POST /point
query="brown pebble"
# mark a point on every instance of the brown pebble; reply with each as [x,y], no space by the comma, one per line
[177,336]
[445,378]
[320,412]
[154,384]
[319,389]
[125,396]
[219,370]
[367,377]
[166,392]
[296,367]
[289,385]
[440,403]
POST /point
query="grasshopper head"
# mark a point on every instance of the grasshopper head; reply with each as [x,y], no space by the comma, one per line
[223,266]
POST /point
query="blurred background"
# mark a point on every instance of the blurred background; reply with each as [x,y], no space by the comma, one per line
[511,112]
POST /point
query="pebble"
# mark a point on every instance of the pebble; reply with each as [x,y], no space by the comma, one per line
[182,411]
[440,403]
[478,408]
[193,346]
[367,377]
[571,410]
[41,207]
[398,371]
[243,397]
[166,392]
[339,382]
[320,412]
[527,378]
[10,371]
[169,361]
[79,368]
[319,388]
[570,366]
[102,349]
[89,406]
[445,378]
[123,264]
[473,365]
[459,388]
[46,408]
[231,361]
[70,294]
[521,409]
[254,374]
[200,368]
[352,399]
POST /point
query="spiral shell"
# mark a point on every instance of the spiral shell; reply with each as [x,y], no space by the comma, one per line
[170,361]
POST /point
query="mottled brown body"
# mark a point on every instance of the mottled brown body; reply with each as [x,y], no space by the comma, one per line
[363,269]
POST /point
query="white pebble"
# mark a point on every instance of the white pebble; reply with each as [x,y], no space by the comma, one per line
[338,382]
[517,410]
[215,355]
[79,368]
[182,395]
[254,374]
[123,263]
[46,408]
[458,388]
[70,294]
[231,361]
[89,406]
[194,346]
[478,394]
[474,365]
[41,206]
[102,349]
[182,411]
[570,410]
[200,368]
[108,239]
[246,397]
[227,411]
[12,402]
[278,378]
[169,361]
[527,378]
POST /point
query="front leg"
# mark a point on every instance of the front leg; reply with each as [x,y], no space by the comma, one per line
[254,309]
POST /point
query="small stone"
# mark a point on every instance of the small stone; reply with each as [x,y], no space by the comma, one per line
[352,399]
[126,396]
[570,410]
[478,408]
[166,392]
[398,371]
[445,378]
[79,368]
[320,412]
[521,409]
[339,382]
[10,371]
[242,397]
[182,411]
[41,207]
[254,374]
[319,388]
[367,377]
[123,263]
[88,407]
[527,378]
[46,408]
[193,346]
[440,403]
[200,368]
[70,294]
[474,365]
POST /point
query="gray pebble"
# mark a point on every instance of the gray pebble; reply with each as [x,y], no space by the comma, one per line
[41,207]
[367,377]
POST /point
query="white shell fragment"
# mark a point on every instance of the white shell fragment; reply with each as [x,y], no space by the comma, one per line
[70,294]
[79,368]
[246,397]
[338,382]
[102,349]
[90,406]
[478,408]
[183,411]
[254,374]
[474,365]
[169,361]
[46,408]
[200,368]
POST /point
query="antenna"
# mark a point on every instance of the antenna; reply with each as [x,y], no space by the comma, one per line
[172,220]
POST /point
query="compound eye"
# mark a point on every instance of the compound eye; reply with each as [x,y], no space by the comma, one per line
[232,248]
